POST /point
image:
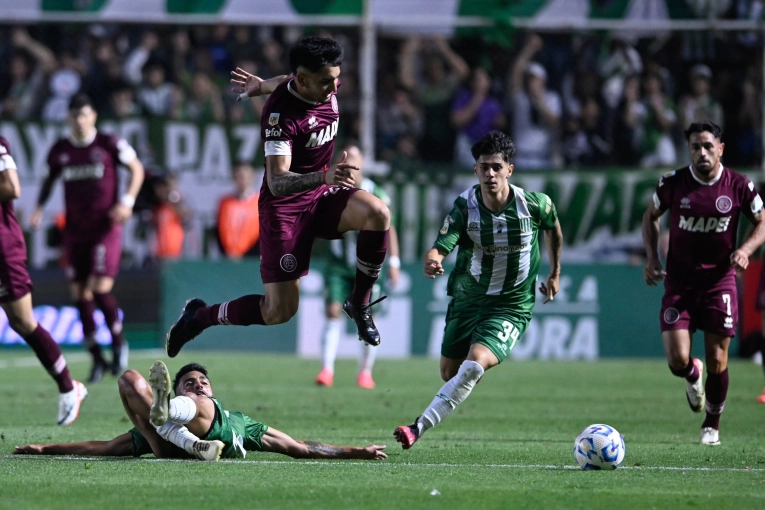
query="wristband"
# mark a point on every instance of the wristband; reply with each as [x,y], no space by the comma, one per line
[127,200]
[242,96]
[394,262]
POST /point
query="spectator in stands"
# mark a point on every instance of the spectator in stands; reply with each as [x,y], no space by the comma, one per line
[238,222]
[622,62]
[156,96]
[122,103]
[169,217]
[535,110]
[397,117]
[63,84]
[585,142]
[749,143]
[475,113]
[274,63]
[627,134]
[699,105]
[135,63]
[204,103]
[432,72]
[27,79]
[657,146]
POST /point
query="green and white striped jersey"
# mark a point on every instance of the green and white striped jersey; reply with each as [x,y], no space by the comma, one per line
[342,252]
[498,257]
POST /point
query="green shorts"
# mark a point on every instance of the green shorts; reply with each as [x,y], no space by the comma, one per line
[338,284]
[142,447]
[498,328]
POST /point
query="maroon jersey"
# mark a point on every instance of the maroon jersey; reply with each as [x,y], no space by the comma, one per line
[703,222]
[305,130]
[12,245]
[90,178]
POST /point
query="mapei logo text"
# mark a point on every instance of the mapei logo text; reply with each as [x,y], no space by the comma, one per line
[692,224]
[275,132]
[83,172]
[323,136]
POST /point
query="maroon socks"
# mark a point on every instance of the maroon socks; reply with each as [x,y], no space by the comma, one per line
[244,311]
[716,388]
[371,247]
[49,354]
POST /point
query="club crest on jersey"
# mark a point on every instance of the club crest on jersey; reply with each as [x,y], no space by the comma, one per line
[685,203]
[671,315]
[63,159]
[445,228]
[97,155]
[288,262]
[334,104]
[724,204]
[273,119]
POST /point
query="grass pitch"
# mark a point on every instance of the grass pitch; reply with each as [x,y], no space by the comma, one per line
[508,446]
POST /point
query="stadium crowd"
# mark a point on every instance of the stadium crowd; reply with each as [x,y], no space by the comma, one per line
[587,100]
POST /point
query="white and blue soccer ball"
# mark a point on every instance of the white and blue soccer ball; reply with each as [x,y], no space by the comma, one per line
[599,446]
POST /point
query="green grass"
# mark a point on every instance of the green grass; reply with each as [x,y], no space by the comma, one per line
[508,446]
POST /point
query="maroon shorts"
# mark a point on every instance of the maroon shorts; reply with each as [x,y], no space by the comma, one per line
[286,238]
[712,308]
[15,282]
[96,256]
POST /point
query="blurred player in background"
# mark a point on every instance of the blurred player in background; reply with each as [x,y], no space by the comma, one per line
[496,227]
[16,297]
[302,198]
[169,428]
[87,160]
[339,275]
[705,201]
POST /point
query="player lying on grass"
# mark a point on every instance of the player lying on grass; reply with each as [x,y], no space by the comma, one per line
[171,428]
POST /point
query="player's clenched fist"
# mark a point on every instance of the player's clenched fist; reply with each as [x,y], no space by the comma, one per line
[653,272]
[433,265]
[739,260]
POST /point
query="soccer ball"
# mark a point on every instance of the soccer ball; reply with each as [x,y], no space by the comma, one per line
[599,446]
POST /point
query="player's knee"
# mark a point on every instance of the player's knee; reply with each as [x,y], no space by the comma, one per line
[447,373]
[379,215]
[130,381]
[279,314]
[24,326]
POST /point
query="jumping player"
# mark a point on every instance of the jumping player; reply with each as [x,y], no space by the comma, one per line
[705,202]
[87,160]
[16,297]
[496,227]
[339,274]
[302,197]
[193,412]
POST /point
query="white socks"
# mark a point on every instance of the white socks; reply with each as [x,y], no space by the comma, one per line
[330,340]
[368,358]
[451,394]
[179,435]
[182,410]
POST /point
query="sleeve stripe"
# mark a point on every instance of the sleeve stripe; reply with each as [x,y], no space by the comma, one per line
[127,155]
[6,162]
[656,201]
[278,149]
[757,204]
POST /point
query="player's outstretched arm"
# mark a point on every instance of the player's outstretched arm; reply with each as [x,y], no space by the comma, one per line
[249,85]
[554,242]
[653,272]
[278,442]
[739,259]
[120,446]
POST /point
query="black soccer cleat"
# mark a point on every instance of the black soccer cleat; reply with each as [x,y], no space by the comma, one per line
[185,329]
[97,372]
[362,316]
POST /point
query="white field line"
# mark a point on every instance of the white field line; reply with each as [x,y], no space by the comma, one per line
[381,464]
[77,357]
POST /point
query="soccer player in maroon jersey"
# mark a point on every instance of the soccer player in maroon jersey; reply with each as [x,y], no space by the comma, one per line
[302,197]
[16,297]
[705,202]
[87,160]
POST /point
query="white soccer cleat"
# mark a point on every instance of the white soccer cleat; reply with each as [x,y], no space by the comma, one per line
[710,436]
[694,392]
[159,380]
[208,450]
[69,403]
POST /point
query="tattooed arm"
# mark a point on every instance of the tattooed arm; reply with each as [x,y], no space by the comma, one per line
[279,442]
[282,182]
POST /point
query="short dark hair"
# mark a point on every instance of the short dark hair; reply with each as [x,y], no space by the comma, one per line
[313,53]
[81,101]
[703,127]
[191,367]
[494,143]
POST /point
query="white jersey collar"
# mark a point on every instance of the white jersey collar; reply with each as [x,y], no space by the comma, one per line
[84,143]
[710,183]
[297,95]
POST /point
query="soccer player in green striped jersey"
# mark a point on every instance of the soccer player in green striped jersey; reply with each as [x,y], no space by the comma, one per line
[495,225]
